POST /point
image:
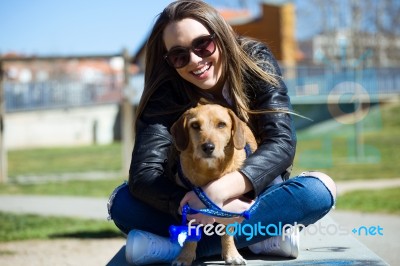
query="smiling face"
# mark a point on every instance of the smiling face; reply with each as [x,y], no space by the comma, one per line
[201,72]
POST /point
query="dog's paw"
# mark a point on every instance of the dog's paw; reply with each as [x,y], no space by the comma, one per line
[182,261]
[235,260]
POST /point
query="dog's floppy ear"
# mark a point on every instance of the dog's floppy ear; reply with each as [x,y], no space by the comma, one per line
[179,133]
[239,140]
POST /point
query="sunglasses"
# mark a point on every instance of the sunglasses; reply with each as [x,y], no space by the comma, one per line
[203,47]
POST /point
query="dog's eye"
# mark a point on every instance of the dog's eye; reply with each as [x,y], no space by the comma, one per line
[195,125]
[221,125]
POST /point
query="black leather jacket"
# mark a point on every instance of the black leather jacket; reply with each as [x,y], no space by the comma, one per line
[148,175]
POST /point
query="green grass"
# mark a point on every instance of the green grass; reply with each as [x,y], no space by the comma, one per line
[96,188]
[331,147]
[379,201]
[64,160]
[22,227]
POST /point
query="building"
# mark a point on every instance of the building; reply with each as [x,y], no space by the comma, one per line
[275,26]
[356,49]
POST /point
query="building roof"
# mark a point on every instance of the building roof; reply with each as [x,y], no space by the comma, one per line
[236,16]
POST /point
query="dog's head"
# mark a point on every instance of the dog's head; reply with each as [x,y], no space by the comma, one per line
[207,131]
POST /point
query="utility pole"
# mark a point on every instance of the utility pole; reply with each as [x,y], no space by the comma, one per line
[126,118]
[3,152]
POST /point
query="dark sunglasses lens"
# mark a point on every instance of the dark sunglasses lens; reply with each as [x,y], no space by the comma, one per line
[204,47]
[178,58]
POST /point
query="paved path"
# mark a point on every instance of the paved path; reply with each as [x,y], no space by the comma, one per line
[346,186]
[85,207]
[96,208]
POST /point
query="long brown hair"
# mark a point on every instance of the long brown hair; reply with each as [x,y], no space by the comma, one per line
[236,65]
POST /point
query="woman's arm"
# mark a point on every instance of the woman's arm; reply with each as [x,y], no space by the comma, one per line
[148,180]
[148,174]
[274,131]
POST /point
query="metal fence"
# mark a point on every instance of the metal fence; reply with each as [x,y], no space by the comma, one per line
[56,82]
[100,82]
[317,84]
[56,94]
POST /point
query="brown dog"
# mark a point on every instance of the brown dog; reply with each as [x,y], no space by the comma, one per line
[211,141]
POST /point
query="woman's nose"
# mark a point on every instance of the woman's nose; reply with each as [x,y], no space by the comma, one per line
[194,58]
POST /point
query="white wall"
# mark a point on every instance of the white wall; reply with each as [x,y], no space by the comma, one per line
[60,127]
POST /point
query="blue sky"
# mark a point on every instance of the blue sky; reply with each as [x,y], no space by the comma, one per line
[75,26]
[50,27]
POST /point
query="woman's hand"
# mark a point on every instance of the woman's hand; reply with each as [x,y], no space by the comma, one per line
[199,218]
[195,203]
[226,192]
[237,205]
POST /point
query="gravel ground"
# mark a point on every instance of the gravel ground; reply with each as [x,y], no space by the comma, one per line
[59,252]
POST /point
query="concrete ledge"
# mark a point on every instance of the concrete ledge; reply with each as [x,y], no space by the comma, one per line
[315,249]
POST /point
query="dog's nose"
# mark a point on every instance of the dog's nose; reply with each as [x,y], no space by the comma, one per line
[208,148]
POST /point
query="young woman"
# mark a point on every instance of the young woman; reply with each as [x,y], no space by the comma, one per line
[193,53]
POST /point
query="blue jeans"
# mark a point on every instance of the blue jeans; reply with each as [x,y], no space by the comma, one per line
[302,200]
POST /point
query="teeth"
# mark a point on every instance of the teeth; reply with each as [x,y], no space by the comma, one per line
[201,71]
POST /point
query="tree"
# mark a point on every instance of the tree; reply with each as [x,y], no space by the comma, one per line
[369,30]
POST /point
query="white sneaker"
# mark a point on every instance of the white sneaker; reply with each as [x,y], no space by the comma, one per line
[146,248]
[276,246]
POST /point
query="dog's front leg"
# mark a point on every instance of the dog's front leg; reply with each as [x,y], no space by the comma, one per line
[187,255]
[229,251]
